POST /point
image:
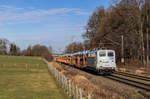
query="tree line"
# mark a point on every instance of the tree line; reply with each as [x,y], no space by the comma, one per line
[124,27]
[8,48]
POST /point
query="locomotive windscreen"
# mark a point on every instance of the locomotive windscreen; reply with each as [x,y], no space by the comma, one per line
[102,54]
[110,54]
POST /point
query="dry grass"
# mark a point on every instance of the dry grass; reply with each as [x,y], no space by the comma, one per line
[99,86]
[135,70]
[86,84]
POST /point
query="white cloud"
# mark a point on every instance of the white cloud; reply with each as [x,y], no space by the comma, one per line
[5,7]
[14,15]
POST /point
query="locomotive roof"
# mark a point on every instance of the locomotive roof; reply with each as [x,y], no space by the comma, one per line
[85,52]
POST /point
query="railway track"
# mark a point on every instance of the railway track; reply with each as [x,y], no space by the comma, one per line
[133,80]
[137,81]
[140,82]
[133,76]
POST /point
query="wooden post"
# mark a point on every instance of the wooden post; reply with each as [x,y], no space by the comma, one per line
[77,94]
[26,67]
[69,87]
[57,75]
[62,81]
[80,92]
[89,96]
[65,84]
[73,89]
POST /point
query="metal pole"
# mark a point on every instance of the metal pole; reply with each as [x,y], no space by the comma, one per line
[147,34]
[122,50]
[72,39]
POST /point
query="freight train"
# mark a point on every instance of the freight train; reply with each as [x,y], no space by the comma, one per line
[101,61]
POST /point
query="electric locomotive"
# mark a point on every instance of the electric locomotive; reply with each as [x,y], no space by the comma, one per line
[100,60]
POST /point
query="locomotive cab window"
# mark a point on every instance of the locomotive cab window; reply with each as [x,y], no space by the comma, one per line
[102,54]
[110,54]
[92,55]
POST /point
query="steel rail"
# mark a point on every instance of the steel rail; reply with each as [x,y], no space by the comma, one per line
[133,83]
[133,76]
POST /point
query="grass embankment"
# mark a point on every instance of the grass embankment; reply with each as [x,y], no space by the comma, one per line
[27,78]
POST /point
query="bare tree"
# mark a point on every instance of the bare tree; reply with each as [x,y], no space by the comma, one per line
[3,46]
[74,47]
[14,49]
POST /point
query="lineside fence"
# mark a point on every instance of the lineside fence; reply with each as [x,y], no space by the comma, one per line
[68,85]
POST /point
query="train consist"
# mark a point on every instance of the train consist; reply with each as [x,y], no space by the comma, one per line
[100,60]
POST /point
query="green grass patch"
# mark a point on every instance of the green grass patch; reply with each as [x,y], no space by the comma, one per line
[27,78]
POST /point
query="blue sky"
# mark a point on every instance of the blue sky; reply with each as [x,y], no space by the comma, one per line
[48,22]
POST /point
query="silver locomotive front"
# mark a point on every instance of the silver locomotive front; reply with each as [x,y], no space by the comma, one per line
[106,61]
